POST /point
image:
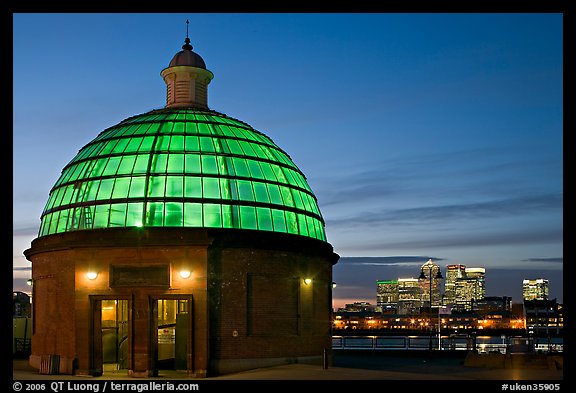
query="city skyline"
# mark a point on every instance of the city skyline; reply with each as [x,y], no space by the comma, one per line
[422,135]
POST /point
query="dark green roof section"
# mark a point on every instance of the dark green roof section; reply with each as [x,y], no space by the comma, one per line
[182,168]
[389,282]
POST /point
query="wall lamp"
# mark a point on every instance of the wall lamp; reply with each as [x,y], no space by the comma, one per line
[185,273]
[91,275]
[307,281]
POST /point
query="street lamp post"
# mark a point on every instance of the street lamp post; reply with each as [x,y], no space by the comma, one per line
[423,277]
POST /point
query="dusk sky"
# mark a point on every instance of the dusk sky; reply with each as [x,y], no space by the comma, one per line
[423,135]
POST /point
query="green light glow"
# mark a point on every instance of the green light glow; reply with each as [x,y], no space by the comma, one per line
[182,168]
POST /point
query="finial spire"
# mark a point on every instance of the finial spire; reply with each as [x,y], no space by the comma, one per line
[187,45]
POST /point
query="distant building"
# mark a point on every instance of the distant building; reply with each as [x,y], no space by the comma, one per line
[470,288]
[535,289]
[409,296]
[357,307]
[493,303]
[453,274]
[430,284]
[21,305]
[543,317]
[387,295]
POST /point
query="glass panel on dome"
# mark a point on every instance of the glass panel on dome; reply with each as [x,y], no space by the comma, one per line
[175,163]
[255,169]
[291,222]
[245,190]
[53,217]
[222,166]
[225,189]
[247,148]
[117,215]
[167,127]
[98,167]
[287,196]
[68,194]
[227,219]
[134,145]
[203,129]
[240,167]
[101,216]
[146,145]
[279,174]
[212,215]
[192,144]
[141,165]
[302,227]
[179,127]
[268,172]
[248,217]
[111,166]
[279,220]
[137,186]
[234,147]
[211,188]
[206,145]
[175,186]
[174,214]
[225,130]
[258,150]
[121,187]
[162,143]
[126,165]
[159,163]
[156,186]
[261,192]
[63,221]
[105,190]
[298,199]
[192,163]
[191,128]
[264,219]
[209,165]
[108,147]
[192,187]
[177,143]
[311,226]
[154,128]
[140,129]
[154,214]
[120,146]
[92,190]
[192,214]
[134,215]
[275,196]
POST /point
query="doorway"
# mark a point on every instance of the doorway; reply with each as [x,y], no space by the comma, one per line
[114,335]
[171,333]
[110,335]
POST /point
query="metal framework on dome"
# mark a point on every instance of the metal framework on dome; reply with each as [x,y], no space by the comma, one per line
[182,167]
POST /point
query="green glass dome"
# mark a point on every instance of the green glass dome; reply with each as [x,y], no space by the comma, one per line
[182,167]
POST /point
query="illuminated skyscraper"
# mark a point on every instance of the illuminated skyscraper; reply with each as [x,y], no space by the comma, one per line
[535,289]
[453,274]
[387,294]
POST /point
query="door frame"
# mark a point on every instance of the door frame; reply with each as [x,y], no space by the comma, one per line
[96,354]
[153,354]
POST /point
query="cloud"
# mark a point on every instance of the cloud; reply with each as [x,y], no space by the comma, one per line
[487,171]
[22,269]
[464,211]
[428,241]
[546,260]
[388,261]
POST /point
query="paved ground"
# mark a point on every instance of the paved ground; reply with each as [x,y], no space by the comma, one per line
[345,367]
